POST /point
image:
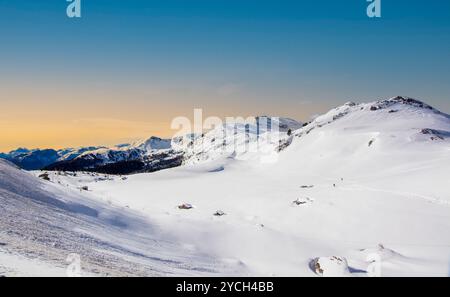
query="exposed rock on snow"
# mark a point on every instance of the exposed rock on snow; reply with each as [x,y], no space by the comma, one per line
[302,201]
[185,206]
[44,176]
[219,213]
[436,134]
[383,104]
[330,266]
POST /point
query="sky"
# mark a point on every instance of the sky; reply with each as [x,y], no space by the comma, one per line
[125,69]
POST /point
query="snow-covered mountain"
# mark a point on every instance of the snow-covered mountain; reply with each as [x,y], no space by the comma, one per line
[156,154]
[85,158]
[362,189]
[254,138]
[143,156]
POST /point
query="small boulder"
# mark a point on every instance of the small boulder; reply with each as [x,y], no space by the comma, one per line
[45,176]
[302,201]
[330,266]
[219,213]
[185,206]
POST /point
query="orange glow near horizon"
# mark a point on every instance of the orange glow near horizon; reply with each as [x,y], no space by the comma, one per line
[60,118]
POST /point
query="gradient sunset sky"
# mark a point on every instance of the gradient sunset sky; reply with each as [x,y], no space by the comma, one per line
[126,68]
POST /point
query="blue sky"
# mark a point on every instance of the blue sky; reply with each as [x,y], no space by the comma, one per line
[292,58]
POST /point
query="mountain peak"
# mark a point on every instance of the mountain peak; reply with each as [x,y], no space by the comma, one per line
[153,143]
[400,100]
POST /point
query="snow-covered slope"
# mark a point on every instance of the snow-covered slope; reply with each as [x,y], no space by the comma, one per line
[42,223]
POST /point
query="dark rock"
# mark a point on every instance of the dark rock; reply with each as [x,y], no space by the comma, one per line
[435,134]
[45,176]
[302,201]
[284,143]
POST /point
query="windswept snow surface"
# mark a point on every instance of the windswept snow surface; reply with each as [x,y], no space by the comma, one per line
[41,224]
[362,190]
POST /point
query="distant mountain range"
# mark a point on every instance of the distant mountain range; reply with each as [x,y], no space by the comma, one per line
[152,154]
[229,140]
[39,158]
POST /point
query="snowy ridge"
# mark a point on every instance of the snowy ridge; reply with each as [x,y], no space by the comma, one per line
[402,112]
[126,152]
